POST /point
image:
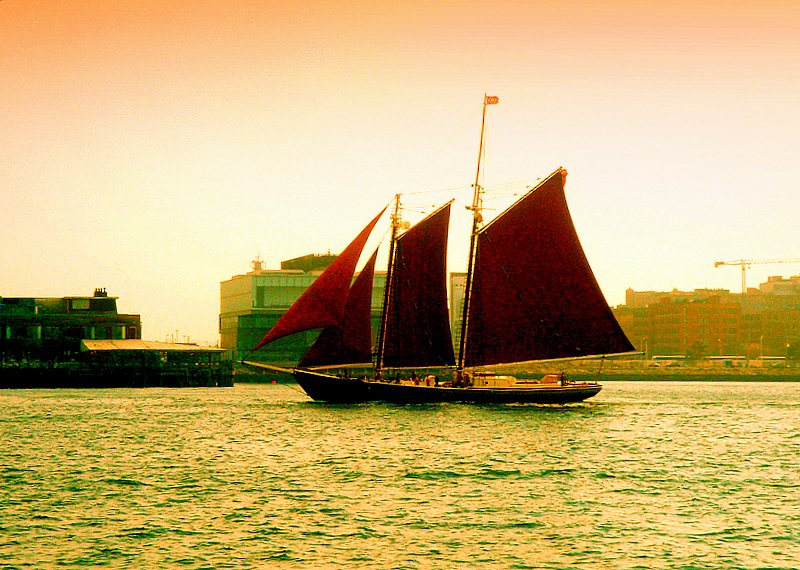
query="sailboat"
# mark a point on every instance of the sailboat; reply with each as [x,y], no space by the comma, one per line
[530,295]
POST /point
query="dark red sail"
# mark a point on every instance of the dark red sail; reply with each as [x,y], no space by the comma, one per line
[417,322]
[534,295]
[322,304]
[350,342]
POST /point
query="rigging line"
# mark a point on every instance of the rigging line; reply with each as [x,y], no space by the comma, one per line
[422,209]
[385,234]
[386,231]
[449,190]
[502,195]
[436,190]
[600,368]
[297,388]
[462,128]
[514,185]
[522,185]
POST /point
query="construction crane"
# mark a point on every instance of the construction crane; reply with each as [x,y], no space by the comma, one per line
[746,263]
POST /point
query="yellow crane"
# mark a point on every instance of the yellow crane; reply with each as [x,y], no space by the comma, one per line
[746,263]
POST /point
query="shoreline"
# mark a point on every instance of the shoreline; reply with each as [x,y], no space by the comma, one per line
[639,371]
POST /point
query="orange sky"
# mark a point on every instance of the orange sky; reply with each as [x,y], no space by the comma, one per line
[154,148]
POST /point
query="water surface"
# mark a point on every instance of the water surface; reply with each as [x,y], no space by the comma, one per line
[645,475]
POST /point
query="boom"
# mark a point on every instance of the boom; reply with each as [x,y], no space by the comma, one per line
[746,263]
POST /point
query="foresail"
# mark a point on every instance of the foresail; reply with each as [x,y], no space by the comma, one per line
[350,342]
[417,330]
[322,304]
[534,295]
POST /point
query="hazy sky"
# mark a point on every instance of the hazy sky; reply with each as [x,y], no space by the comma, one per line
[155,147]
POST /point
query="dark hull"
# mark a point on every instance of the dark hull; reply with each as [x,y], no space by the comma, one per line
[328,388]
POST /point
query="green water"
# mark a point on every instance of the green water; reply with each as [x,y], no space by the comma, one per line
[645,475]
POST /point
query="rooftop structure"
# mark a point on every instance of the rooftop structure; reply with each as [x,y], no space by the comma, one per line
[53,327]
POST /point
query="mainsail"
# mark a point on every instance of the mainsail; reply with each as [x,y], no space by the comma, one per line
[417,329]
[533,295]
[351,341]
[322,304]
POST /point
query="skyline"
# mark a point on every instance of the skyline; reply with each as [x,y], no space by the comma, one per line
[155,150]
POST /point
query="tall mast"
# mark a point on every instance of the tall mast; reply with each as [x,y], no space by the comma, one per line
[477,218]
[387,287]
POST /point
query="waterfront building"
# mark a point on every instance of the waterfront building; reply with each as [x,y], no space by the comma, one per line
[695,324]
[46,328]
[252,303]
[715,322]
[771,322]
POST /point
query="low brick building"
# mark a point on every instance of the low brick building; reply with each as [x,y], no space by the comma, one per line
[715,322]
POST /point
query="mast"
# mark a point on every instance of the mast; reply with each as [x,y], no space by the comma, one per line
[387,288]
[477,218]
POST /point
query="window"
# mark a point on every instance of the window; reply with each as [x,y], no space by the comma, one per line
[80,304]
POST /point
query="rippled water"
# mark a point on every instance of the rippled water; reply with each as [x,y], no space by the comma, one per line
[645,475]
